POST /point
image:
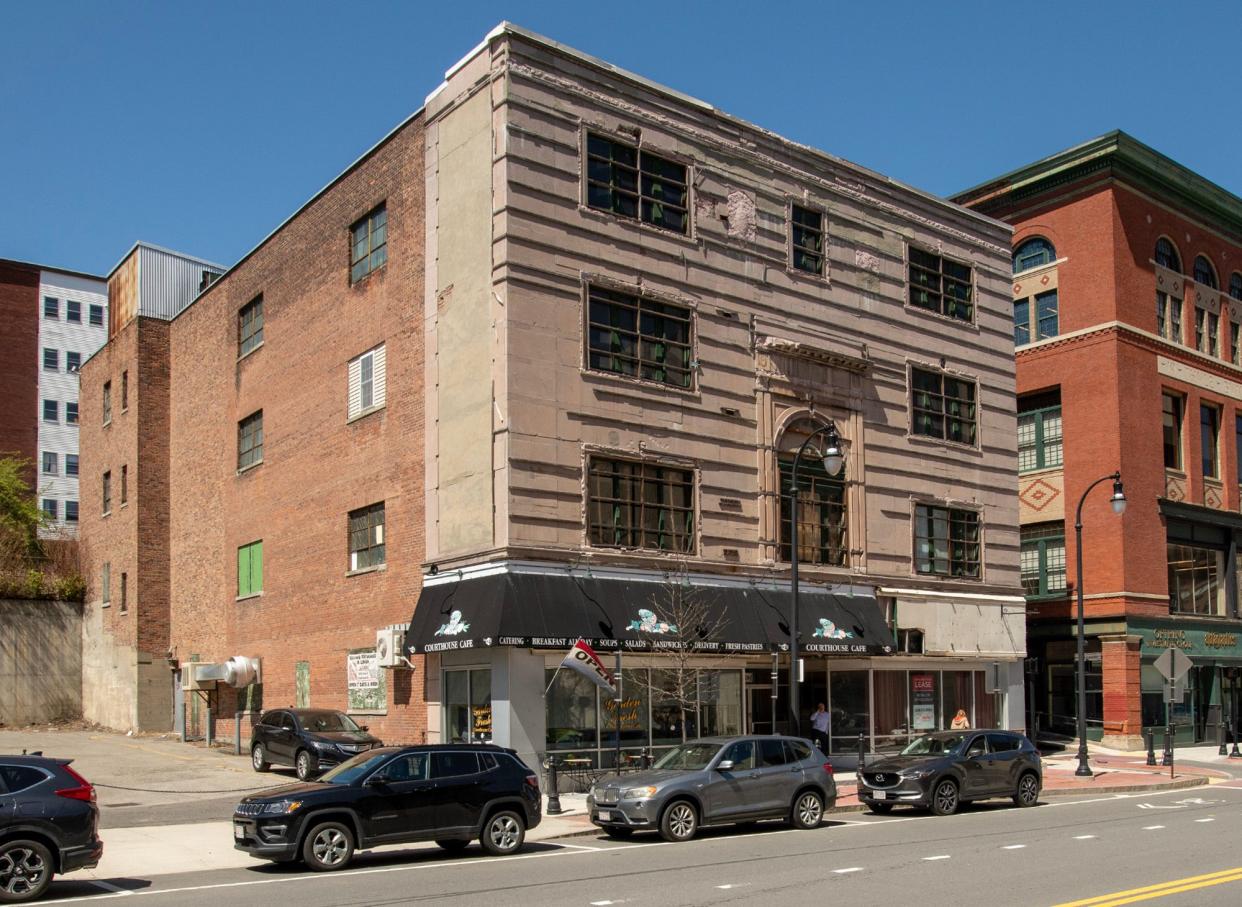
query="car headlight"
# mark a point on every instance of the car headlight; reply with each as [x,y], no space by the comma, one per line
[638,793]
[281,808]
[324,745]
[914,774]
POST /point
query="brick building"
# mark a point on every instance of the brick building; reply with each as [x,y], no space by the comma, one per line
[1127,292]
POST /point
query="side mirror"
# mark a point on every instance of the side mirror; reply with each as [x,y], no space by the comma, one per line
[724,765]
[364,727]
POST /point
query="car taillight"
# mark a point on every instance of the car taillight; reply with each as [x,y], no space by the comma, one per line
[533,781]
[83,791]
[828,767]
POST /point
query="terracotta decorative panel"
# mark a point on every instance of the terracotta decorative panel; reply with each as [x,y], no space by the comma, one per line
[1041,497]
[1213,495]
[1174,486]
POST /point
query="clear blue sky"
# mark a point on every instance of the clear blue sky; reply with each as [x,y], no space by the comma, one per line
[201,126]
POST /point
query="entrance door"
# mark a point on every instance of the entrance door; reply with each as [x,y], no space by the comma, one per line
[759,702]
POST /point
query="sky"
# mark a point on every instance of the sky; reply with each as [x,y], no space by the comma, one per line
[202,126]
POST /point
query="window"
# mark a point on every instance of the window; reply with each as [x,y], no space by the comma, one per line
[124,391]
[51,411]
[1166,255]
[806,239]
[250,569]
[1039,434]
[250,440]
[368,379]
[50,466]
[73,311]
[1213,334]
[107,493]
[940,285]
[16,778]
[453,765]
[1234,347]
[1237,434]
[51,360]
[71,511]
[106,582]
[822,528]
[50,509]
[71,413]
[640,505]
[71,464]
[1046,323]
[1196,580]
[96,315]
[73,361]
[124,592]
[125,484]
[107,402]
[946,541]
[368,244]
[944,406]
[1172,407]
[1207,329]
[1235,285]
[634,183]
[1204,272]
[51,307]
[1043,559]
[1168,317]
[1209,436]
[250,326]
[366,537]
[1033,253]
[639,337]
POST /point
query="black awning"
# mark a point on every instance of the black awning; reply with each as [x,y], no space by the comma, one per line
[546,610]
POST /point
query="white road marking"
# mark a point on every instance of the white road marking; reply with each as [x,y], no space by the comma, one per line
[1152,827]
[848,869]
[1013,847]
[733,885]
[1205,820]
[1083,837]
[943,856]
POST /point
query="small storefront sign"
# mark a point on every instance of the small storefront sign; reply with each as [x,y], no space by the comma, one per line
[629,711]
[1197,642]
[923,701]
[364,681]
[481,722]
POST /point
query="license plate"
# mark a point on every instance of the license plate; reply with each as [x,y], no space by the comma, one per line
[879,795]
[239,832]
[605,815]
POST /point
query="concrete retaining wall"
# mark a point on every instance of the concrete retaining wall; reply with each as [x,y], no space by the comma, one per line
[40,661]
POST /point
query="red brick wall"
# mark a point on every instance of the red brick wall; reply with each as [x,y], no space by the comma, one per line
[316,465]
[1123,710]
[19,364]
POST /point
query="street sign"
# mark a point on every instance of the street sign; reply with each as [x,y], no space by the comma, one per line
[1173,664]
[1175,690]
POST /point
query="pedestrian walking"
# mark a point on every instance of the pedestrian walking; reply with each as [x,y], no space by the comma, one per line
[819,728]
[960,721]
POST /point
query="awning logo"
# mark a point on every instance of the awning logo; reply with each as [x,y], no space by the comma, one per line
[828,630]
[454,626]
[648,623]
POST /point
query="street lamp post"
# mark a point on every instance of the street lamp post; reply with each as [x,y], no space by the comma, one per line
[1118,501]
[833,458]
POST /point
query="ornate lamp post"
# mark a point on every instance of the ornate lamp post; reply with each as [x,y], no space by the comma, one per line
[1118,501]
[833,458]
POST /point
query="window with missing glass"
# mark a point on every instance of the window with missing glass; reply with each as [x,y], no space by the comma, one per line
[1039,433]
[1172,409]
[1043,559]
[941,285]
[943,406]
[806,239]
[640,504]
[1209,439]
[639,337]
[366,537]
[250,440]
[368,244]
[1169,317]
[822,526]
[947,541]
[634,183]
[250,326]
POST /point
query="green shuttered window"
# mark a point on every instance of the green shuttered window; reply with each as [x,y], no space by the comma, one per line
[250,569]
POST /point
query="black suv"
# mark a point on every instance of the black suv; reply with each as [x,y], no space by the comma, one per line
[48,825]
[310,740]
[450,794]
[940,771]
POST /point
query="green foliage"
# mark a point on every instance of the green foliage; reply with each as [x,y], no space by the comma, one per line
[29,567]
[19,513]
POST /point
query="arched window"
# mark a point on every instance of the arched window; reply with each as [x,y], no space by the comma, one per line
[1235,285]
[1033,253]
[1204,272]
[1166,255]
[822,533]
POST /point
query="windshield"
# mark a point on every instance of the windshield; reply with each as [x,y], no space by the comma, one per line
[316,722]
[934,745]
[359,766]
[690,757]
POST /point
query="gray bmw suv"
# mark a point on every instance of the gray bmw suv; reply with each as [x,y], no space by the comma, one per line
[717,781]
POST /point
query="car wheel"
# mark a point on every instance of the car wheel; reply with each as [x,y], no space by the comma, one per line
[807,811]
[329,846]
[880,809]
[453,844]
[1028,790]
[619,833]
[307,766]
[945,798]
[25,871]
[680,821]
[256,759]
[503,833]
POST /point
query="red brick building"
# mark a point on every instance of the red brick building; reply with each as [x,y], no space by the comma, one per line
[1127,306]
[19,367]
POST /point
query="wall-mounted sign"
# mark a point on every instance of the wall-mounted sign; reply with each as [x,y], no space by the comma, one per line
[923,702]
[1194,641]
[481,722]
[365,681]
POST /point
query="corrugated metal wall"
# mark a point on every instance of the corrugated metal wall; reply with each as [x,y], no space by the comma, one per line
[168,282]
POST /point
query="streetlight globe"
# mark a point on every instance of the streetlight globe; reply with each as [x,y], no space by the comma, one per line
[1118,499]
[834,459]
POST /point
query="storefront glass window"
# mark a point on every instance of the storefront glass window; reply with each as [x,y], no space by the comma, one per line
[571,712]
[468,705]
[635,718]
[674,692]
[1195,580]
[924,701]
[1152,682]
[720,708]
[985,702]
[892,721]
[957,695]
[850,712]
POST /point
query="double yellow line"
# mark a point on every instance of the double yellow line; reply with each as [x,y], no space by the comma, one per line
[1177,886]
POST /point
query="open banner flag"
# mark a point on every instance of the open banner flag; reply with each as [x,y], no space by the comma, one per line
[582,658]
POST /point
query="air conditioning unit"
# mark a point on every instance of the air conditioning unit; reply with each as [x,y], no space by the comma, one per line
[241,671]
[201,676]
[388,644]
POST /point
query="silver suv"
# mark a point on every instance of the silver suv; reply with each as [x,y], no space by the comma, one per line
[717,781]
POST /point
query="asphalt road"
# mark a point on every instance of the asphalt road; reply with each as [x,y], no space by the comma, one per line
[1095,851]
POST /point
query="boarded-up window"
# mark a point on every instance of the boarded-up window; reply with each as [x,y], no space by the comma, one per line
[250,569]
[368,380]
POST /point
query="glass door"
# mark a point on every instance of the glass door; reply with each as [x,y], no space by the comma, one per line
[468,706]
[759,702]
